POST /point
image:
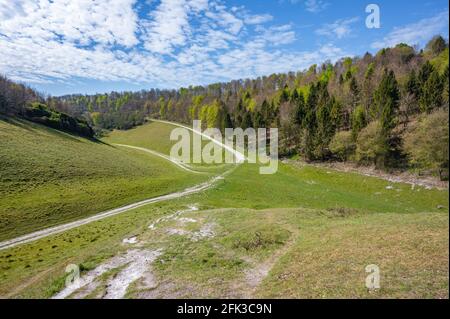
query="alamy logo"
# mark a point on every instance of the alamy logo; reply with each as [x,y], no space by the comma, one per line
[238,146]
[73,277]
[373,19]
[373,279]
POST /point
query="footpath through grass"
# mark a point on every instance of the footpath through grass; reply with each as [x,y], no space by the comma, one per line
[300,233]
[156,136]
[49,177]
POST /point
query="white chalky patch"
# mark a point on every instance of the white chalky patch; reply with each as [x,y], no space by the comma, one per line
[131,240]
[176,231]
[134,259]
[140,263]
[184,220]
[206,231]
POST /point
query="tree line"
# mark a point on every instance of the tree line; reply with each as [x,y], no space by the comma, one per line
[18,100]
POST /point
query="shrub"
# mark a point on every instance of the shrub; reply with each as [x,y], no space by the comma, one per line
[426,142]
[37,109]
[40,113]
[342,145]
[371,145]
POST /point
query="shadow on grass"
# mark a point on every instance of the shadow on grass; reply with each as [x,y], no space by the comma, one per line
[32,127]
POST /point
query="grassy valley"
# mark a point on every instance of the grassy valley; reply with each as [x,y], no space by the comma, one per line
[304,232]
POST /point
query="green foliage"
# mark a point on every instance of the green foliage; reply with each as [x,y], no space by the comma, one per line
[436,45]
[348,63]
[342,145]
[445,83]
[195,106]
[405,52]
[40,113]
[304,90]
[431,95]
[386,101]
[248,102]
[247,121]
[370,71]
[427,141]
[412,85]
[213,115]
[325,126]
[162,108]
[371,146]
[227,122]
[358,91]
[354,91]
[425,72]
[359,121]
[299,111]
[441,61]
[283,96]
[327,74]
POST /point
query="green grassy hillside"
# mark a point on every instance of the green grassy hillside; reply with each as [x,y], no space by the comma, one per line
[48,177]
[308,186]
[154,136]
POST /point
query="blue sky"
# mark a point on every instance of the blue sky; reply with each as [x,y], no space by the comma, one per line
[83,46]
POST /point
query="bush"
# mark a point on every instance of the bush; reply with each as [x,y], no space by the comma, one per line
[37,109]
[371,145]
[426,142]
[342,145]
[40,113]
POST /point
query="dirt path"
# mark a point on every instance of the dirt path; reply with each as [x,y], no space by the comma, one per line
[189,191]
[112,278]
[239,156]
[177,163]
[62,228]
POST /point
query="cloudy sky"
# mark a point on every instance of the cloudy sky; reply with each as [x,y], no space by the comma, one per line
[89,46]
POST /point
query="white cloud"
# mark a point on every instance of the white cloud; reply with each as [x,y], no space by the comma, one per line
[277,35]
[415,33]
[80,21]
[168,26]
[315,5]
[186,42]
[10,8]
[340,28]
[225,19]
[258,19]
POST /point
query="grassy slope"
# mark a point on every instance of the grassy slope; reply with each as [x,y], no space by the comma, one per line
[153,135]
[329,257]
[312,187]
[311,254]
[156,136]
[48,177]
